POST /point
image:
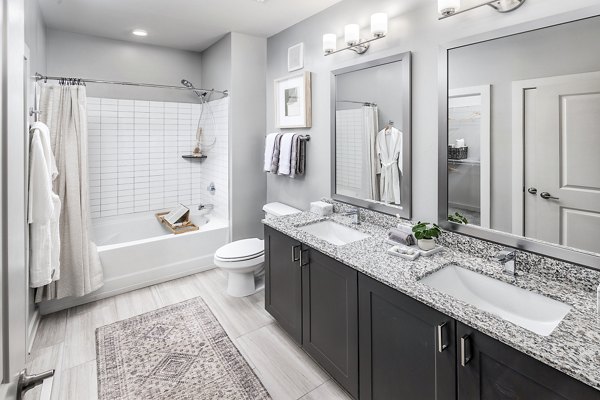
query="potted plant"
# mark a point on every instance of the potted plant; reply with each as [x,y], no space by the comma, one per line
[426,233]
[457,218]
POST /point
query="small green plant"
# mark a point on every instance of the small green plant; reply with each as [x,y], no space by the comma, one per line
[457,218]
[425,230]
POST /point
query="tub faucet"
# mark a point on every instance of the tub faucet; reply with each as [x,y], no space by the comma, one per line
[508,259]
[355,213]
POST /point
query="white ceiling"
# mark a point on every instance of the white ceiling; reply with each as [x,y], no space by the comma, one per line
[183,24]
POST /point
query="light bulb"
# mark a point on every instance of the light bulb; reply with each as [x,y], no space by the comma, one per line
[352,34]
[379,24]
[329,42]
[447,7]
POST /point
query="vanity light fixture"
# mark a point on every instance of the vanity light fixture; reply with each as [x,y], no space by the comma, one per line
[379,29]
[448,8]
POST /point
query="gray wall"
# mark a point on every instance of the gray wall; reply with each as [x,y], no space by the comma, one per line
[216,65]
[83,56]
[565,49]
[238,63]
[418,31]
[35,36]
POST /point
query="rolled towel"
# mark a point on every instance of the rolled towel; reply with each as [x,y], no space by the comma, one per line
[399,235]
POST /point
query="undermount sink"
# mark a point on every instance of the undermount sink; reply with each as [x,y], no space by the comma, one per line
[529,310]
[334,233]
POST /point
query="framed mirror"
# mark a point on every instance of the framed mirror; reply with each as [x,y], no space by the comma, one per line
[520,140]
[371,135]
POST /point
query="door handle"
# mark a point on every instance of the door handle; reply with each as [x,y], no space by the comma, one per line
[548,196]
[294,259]
[440,337]
[532,190]
[465,350]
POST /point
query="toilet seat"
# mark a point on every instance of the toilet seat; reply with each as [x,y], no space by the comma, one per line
[241,250]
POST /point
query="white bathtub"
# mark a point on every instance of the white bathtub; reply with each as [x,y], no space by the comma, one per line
[137,251]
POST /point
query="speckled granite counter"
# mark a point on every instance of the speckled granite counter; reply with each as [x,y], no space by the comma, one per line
[573,347]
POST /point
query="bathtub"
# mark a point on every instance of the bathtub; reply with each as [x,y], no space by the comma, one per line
[137,251]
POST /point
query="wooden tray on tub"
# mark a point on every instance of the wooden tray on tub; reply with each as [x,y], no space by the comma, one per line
[186,226]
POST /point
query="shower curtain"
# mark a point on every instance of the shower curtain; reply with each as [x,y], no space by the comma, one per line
[371,167]
[64,112]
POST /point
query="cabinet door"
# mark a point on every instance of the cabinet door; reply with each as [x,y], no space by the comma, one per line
[283,282]
[490,370]
[407,350]
[330,309]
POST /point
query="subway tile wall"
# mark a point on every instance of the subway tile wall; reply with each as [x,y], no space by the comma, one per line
[135,150]
[349,152]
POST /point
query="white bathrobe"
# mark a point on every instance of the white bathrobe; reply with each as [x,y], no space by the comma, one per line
[43,210]
[389,149]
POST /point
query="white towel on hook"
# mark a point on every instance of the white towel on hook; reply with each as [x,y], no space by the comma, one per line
[269,144]
[43,210]
[285,154]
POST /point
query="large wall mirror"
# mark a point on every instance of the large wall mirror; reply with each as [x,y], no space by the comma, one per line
[371,135]
[520,141]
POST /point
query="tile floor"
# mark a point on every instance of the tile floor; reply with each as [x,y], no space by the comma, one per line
[66,340]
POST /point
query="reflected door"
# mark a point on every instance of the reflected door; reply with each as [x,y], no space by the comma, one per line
[564,165]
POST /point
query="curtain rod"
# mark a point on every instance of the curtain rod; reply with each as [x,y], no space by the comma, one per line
[40,77]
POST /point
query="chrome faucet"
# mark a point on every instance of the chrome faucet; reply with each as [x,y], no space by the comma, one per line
[508,259]
[355,213]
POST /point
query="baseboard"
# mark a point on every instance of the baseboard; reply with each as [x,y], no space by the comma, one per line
[32,328]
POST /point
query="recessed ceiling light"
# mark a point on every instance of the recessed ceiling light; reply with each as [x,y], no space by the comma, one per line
[139,32]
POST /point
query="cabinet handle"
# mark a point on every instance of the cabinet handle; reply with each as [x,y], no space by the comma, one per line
[440,337]
[302,264]
[465,350]
[294,259]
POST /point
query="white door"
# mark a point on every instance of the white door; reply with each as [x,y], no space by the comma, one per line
[13,185]
[562,162]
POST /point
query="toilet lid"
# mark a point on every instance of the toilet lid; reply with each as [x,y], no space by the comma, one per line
[241,249]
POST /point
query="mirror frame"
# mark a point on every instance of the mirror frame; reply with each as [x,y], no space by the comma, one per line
[405,210]
[556,251]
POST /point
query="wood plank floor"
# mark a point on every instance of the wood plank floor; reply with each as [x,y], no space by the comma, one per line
[66,340]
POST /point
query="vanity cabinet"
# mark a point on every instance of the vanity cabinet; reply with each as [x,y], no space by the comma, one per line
[381,344]
[283,282]
[315,299]
[330,317]
[488,369]
[407,349]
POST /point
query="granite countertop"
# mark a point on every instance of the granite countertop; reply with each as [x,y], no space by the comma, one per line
[573,347]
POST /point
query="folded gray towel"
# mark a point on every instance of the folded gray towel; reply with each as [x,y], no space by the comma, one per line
[400,235]
[276,151]
[300,156]
[294,155]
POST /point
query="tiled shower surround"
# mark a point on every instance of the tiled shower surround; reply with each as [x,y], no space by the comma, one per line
[135,150]
[349,149]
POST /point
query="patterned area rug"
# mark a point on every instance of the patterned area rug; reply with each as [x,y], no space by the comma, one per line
[176,352]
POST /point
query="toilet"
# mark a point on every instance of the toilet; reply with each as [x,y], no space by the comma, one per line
[244,260]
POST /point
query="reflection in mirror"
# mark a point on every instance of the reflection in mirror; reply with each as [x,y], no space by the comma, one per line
[524,136]
[372,134]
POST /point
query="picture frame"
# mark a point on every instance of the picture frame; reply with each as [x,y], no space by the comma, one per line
[296,57]
[293,101]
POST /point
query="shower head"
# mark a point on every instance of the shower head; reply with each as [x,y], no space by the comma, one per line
[189,84]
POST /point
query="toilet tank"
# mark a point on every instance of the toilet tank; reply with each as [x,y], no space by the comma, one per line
[278,210]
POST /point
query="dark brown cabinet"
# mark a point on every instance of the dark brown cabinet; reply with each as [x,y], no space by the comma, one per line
[488,369]
[407,349]
[330,312]
[380,344]
[283,282]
